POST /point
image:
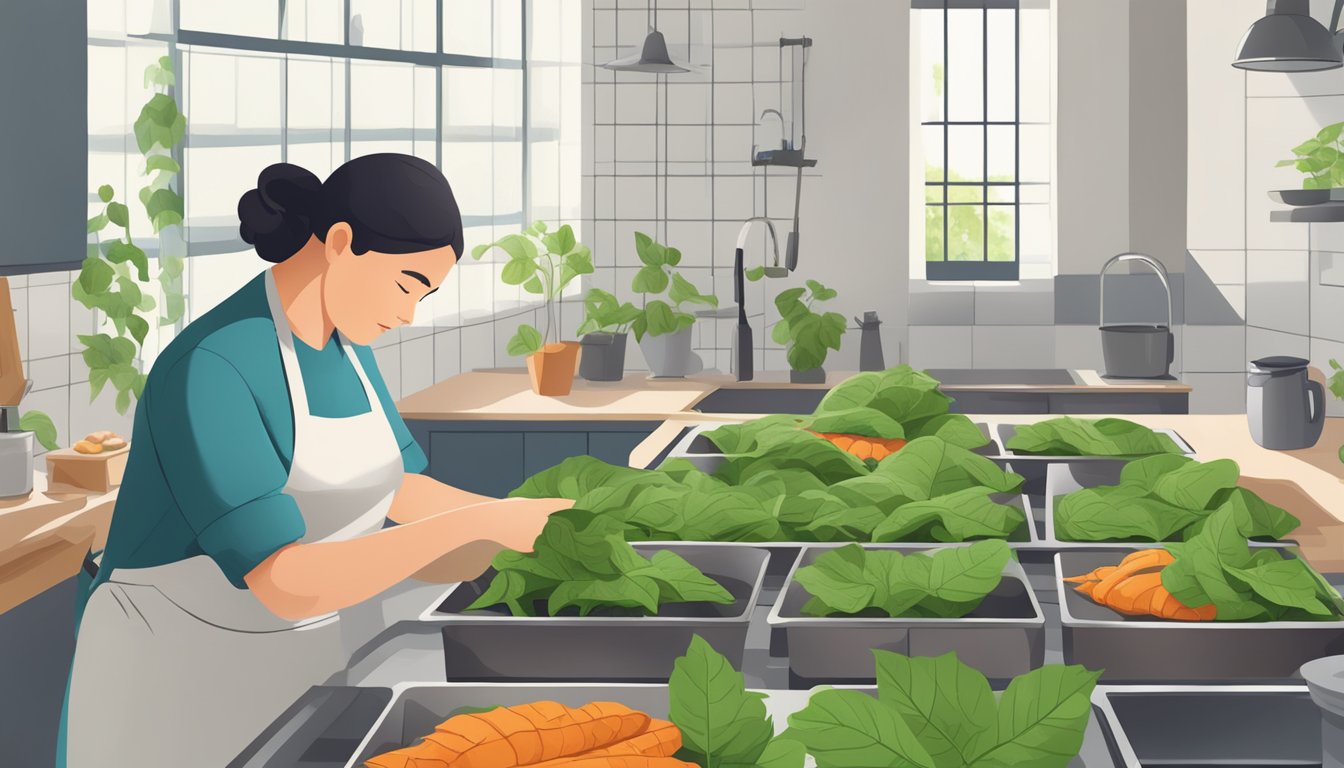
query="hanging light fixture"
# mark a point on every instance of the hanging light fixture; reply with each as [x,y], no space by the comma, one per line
[1288,39]
[653,56]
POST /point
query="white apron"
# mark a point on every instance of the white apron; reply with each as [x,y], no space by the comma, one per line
[175,666]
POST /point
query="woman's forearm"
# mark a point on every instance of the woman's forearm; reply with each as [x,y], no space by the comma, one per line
[304,580]
[421,497]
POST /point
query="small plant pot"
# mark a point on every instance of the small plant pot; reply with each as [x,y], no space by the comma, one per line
[670,355]
[603,356]
[552,368]
[811,376]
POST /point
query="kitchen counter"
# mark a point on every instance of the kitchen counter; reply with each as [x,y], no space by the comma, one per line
[44,538]
[1309,483]
[506,394]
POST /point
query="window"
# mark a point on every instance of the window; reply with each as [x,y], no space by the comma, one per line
[981,98]
[264,81]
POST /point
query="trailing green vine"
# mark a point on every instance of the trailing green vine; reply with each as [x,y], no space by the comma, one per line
[115,273]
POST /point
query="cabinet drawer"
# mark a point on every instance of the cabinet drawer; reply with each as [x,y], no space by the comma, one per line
[489,463]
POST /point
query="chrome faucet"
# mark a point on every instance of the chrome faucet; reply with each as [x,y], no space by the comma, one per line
[741,356]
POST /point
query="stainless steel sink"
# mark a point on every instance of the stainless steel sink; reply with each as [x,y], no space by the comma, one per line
[760,401]
[1027,377]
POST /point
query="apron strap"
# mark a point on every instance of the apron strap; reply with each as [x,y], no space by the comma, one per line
[298,393]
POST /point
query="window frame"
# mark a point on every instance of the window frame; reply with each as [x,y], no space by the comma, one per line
[984,269]
[345,52]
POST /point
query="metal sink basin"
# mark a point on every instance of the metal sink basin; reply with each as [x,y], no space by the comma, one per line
[1027,377]
[761,400]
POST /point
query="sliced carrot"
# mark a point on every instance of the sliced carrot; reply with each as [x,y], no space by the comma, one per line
[615,761]
[1125,596]
[506,737]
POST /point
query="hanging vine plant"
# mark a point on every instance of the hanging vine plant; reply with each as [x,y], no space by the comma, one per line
[116,271]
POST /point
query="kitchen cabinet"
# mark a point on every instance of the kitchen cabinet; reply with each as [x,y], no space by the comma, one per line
[494,457]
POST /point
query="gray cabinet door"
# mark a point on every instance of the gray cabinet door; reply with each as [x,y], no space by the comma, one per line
[614,447]
[543,450]
[489,463]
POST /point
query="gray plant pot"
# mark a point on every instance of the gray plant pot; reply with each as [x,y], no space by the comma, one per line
[603,357]
[811,376]
[670,355]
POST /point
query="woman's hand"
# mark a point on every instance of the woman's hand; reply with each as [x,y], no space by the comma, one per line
[516,523]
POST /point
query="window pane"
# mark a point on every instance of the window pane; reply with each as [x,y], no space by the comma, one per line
[1002,223]
[398,24]
[933,152]
[1002,152]
[1002,194]
[966,152]
[315,123]
[466,27]
[965,194]
[508,29]
[933,233]
[930,75]
[1037,231]
[508,175]
[933,194]
[1034,76]
[1001,87]
[314,21]
[966,233]
[965,65]
[254,18]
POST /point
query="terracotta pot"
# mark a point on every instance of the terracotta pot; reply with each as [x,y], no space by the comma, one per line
[552,368]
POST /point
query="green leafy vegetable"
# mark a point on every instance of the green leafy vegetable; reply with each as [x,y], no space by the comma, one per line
[1166,498]
[1067,436]
[577,475]
[722,724]
[959,516]
[1264,584]
[582,560]
[947,583]
[42,427]
[935,712]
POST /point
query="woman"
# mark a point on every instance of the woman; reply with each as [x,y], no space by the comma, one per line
[266,456]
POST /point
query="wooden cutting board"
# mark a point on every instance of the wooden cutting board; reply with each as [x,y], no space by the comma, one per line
[12,380]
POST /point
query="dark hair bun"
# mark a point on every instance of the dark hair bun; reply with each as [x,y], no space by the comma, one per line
[277,217]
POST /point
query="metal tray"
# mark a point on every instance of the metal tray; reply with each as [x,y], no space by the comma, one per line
[1004,637]
[694,447]
[1201,725]
[1136,649]
[1066,477]
[491,645]
[1006,432]
[784,554]
[336,727]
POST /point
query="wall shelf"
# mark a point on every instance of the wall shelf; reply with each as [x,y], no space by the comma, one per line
[1314,214]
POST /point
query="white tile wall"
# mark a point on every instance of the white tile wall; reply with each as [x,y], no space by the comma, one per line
[941,346]
[1013,346]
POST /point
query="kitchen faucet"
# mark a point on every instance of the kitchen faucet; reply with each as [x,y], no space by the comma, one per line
[742,344]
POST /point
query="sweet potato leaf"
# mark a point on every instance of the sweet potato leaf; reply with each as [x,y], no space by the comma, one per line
[853,579]
[1042,718]
[1068,436]
[577,475]
[959,516]
[847,729]
[721,722]
[949,705]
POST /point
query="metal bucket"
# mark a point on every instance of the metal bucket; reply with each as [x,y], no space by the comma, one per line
[1136,351]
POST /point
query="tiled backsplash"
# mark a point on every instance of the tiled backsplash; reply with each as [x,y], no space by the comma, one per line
[1260,282]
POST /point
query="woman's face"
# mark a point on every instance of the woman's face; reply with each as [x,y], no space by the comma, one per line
[368,294]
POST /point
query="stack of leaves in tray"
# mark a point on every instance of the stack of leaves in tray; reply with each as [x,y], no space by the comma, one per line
[581,560]
[1217,575]
[1166,498]
[1067,436]
[798,488]
[886,407]
[935,712]
[946,583]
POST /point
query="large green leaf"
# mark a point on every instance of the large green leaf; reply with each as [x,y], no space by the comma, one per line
[1194,484]
[650,253]
[42,427]
[850,729]
[953,428]
[560,242]
[1068,436]
[577,475]
[650,279]
[518,271]
[948,583]
[949,705]
[931,467]
[958,516]
[95,276]
[1042,718]
[720,721]
[525,341]
[119,251]
[1123,513]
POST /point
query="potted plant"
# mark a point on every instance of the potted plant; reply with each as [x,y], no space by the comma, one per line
[807,334]
[606,325]
[543,263]
[663,328]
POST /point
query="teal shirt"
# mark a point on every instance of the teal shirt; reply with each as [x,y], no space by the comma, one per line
[214,437]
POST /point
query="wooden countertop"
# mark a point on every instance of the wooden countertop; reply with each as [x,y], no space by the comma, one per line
[43,539]
[1309,483]
[506,394]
